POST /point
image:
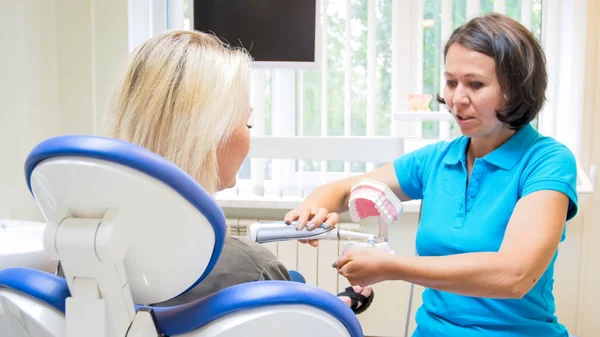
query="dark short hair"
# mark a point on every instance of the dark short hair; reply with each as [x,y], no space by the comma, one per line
[520,64]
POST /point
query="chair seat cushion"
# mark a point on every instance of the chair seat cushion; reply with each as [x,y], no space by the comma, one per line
[188,317]
[184,318]
[45,287]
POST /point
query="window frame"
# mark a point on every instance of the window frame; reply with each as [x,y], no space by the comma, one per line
[559,19]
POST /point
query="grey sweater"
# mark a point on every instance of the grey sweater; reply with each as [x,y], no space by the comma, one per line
[241,261]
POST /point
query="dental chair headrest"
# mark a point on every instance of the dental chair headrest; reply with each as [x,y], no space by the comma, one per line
[174,227]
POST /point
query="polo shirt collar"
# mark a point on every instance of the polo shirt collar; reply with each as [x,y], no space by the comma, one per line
[457,151]
[504,157]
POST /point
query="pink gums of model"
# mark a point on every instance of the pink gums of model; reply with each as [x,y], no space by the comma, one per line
[371,198]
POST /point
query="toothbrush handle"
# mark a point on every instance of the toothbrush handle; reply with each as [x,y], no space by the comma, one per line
[285,233]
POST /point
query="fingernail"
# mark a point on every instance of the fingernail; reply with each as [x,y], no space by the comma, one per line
[299,227]
[327,226]
[334,265]
[311,226]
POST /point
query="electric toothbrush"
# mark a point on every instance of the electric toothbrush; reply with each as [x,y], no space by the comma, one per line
[264,232]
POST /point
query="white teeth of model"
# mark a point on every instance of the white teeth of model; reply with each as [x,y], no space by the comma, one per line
[365,194]
[368,194]
[379,208]
[390,218]
[384,212]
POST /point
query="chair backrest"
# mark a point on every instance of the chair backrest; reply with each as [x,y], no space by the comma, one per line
[131,226]
[164,215]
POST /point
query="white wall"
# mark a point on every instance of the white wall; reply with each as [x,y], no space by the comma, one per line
[92,41]
[57,63]
[28,90]
[588,323]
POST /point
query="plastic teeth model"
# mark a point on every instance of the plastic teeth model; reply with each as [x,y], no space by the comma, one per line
[371,198]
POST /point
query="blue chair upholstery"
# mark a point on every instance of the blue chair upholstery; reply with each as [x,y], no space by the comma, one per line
[142,160]
[296,276]
[188,317]
[185,318]
[48,288]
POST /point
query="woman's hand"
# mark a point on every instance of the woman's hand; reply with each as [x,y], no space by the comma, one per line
[323,204]
[365,267]
[311,218]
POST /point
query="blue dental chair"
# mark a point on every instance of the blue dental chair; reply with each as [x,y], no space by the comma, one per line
[132,229]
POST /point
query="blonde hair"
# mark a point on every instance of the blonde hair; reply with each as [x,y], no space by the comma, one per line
[182,96]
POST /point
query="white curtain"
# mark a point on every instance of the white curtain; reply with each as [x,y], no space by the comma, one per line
[563,36]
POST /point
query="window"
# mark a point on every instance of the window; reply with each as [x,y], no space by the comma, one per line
[374,54]
[353,92]
[527,12]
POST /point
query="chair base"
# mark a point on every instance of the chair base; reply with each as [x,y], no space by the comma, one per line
[28,317]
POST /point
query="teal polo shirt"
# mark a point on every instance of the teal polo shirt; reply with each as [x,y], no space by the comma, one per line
[461,218]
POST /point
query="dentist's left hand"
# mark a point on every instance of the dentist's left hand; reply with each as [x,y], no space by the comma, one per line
[365,267]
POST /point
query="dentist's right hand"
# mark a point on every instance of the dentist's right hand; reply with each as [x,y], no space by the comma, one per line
[311,218]
[325,202]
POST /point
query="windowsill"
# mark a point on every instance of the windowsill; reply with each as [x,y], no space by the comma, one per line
[283,203]
[274,202]
[251,201]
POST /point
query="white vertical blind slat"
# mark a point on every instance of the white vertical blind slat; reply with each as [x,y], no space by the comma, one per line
[526,10]
[347,77]
[371,70]
[473,9]
[324,43]
[500,6]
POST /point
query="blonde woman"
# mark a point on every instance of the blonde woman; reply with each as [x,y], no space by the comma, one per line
[184,95]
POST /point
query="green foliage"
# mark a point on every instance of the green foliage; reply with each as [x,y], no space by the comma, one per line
[486,6]
[311,86]
[336,54]
[459,13]
[513,9]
